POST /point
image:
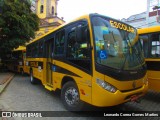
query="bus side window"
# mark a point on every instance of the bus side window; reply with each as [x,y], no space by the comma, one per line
[59,42]
[40,49]
[155,49]
[145,43]
[85,44]
[71,42]
[28,51]
[32,50]
[35,50]
[78,49]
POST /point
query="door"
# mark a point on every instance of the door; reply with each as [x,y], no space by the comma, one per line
[49,52]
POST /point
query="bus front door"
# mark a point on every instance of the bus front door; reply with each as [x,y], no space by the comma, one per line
[49,50]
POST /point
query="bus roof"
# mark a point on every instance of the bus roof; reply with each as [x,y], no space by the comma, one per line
[149,30]
[79,18]
[20,48]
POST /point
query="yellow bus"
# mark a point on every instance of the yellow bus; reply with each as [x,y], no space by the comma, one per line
[16,60]
[94,59]
[150,39]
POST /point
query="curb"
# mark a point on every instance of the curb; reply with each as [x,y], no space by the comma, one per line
[3,86]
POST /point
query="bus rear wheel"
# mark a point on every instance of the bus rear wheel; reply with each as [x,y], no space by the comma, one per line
[32,79]
[22,72]
[70,97]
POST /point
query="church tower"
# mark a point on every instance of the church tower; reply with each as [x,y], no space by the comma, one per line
[47,12]
[46,8]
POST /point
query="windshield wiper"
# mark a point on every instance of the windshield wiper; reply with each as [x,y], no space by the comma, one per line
[122,68]
[129,54]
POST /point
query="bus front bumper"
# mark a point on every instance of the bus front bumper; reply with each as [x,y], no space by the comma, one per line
[104,98]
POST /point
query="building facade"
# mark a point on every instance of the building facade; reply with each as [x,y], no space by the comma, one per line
[151,17]
[47,12]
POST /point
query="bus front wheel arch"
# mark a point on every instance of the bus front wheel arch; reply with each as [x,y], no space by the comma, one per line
[70,97]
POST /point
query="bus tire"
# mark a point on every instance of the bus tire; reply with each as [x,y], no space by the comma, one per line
[32,79]
[22,72]
[70,97]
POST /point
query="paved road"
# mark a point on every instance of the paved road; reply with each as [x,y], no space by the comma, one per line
[20,95]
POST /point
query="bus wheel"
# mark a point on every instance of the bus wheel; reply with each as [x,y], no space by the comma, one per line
[32,79]
[70,97]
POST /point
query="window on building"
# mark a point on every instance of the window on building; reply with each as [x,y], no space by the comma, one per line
[41,9]
[52,10]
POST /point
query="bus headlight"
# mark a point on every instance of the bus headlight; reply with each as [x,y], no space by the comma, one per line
[106,85]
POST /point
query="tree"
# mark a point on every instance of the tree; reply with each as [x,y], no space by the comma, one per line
[156,7]
[17,24]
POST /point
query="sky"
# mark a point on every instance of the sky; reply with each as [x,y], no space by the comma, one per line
[118,9]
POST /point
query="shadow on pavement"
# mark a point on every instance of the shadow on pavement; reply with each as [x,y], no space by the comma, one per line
[152,96]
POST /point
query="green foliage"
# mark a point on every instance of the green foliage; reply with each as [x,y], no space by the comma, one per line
[17,24]
[156,7]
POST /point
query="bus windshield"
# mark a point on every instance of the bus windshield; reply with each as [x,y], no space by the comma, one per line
[116,44]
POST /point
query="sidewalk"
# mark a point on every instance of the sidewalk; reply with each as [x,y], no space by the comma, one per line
[5,78]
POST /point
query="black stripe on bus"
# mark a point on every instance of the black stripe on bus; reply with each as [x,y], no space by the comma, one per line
[56,68]
[120,75]
[67,61]
[153,65]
